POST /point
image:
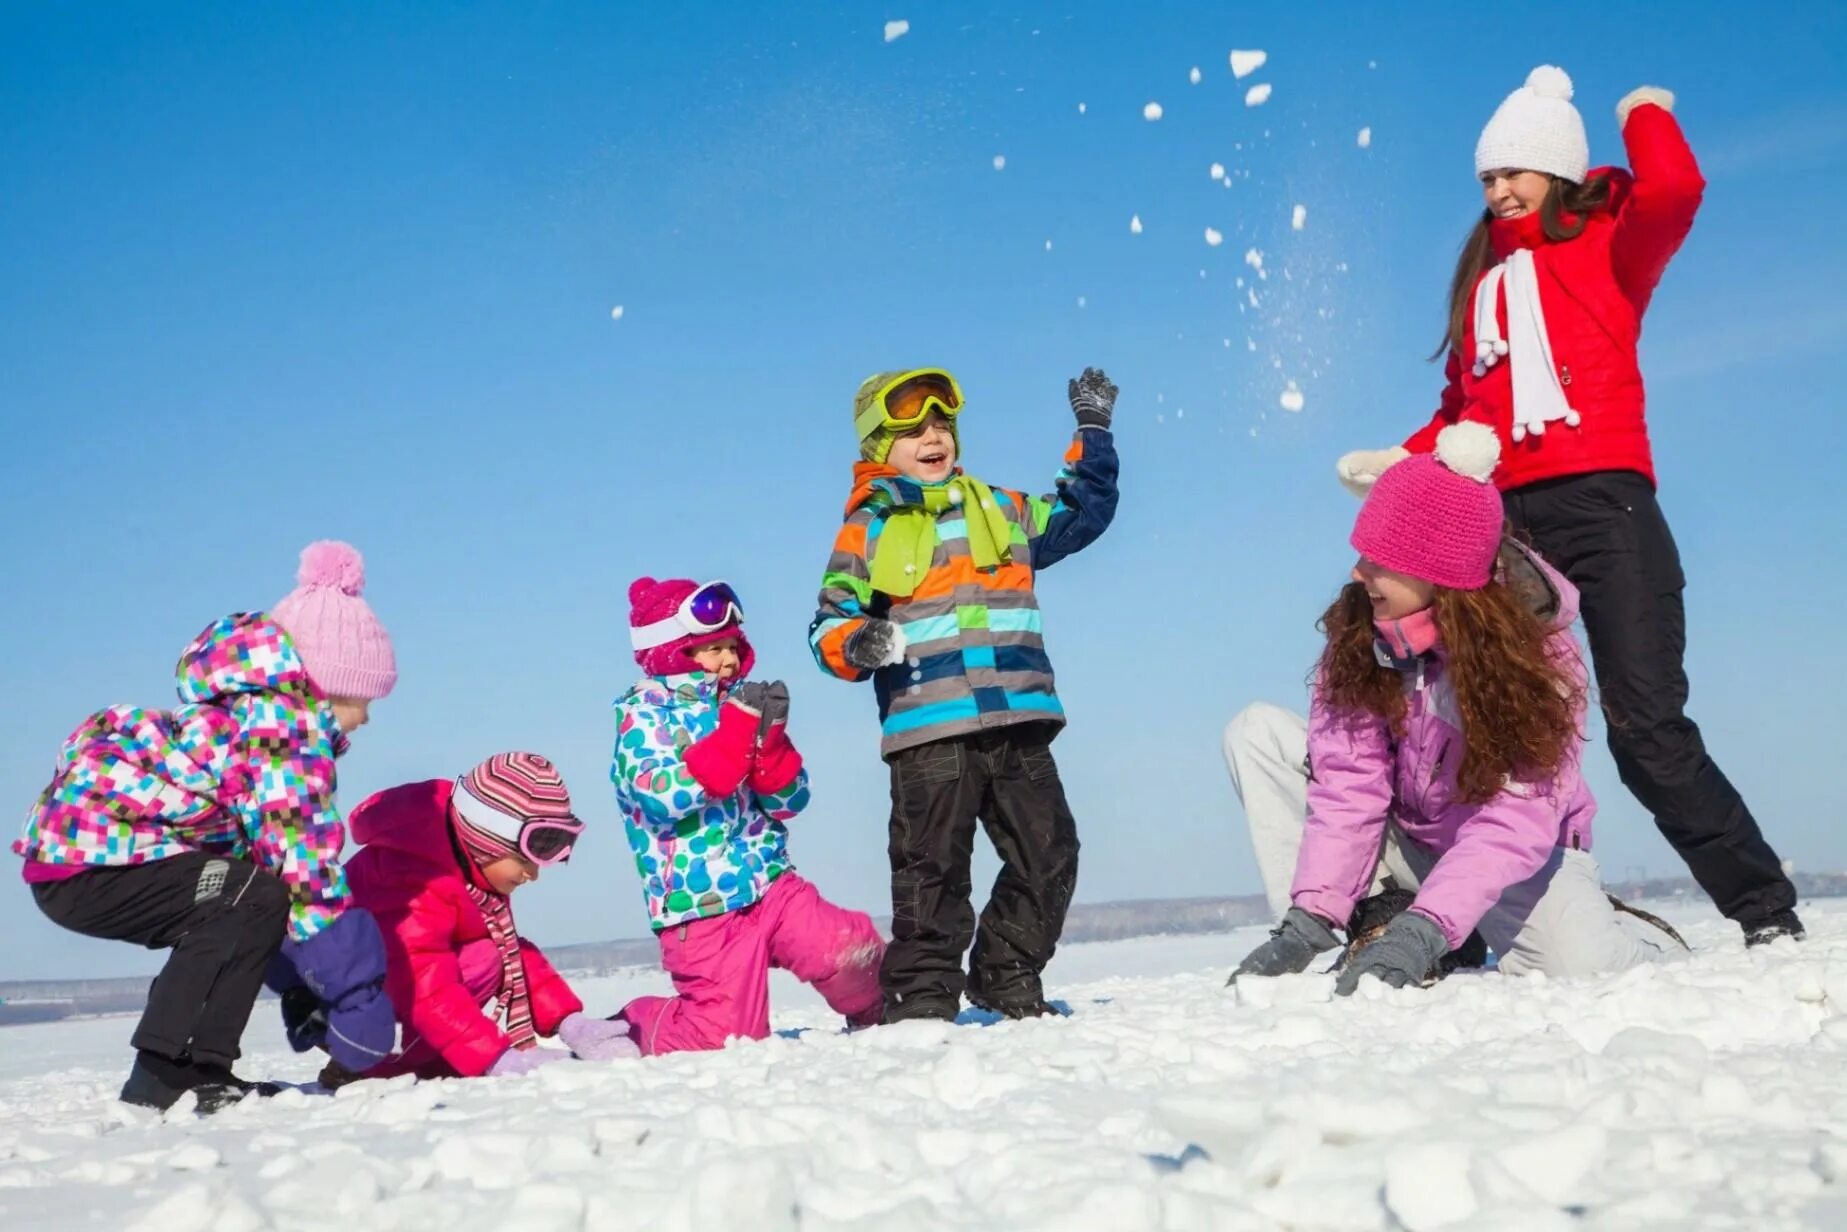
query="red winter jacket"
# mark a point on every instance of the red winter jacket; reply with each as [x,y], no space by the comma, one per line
[1593,291]
[409,874]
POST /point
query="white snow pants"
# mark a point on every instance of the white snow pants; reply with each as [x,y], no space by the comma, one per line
[1558,921]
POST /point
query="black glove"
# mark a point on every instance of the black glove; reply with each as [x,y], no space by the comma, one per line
[1405,953]
[875,644]
[1093,399]
[1293,944]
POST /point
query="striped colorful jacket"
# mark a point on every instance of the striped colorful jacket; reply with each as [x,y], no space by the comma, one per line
[974,640]
[244,767]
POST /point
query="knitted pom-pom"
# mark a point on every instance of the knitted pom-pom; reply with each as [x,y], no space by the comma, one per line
[1470,449]
[640,587]
[331,563]
[1549,81]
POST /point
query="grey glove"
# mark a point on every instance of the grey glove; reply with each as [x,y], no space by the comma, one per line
[775,707]
[1093,399]
[1293,944]
[875,644]
[751,694]
[1405,953]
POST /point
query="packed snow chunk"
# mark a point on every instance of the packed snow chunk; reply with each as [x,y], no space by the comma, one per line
[1257,95]
[615,314]
[1082,108]
[1218,171]
[895,30]
[1427,1186]
[1298,218]
[1254,259]
[1244,63]
[1000,162]
[1291,399]
[1365,137]
[1194,75]
[1152,111]
[1135,224]
[1214,238]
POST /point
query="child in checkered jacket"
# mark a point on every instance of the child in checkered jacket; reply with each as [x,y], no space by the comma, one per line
[211,830]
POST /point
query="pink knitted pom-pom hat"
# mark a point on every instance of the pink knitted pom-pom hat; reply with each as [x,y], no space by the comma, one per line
[344,647]
[1437,516]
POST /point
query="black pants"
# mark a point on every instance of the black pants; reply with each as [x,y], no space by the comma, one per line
[1007,779]
[222,918]
[1606,533]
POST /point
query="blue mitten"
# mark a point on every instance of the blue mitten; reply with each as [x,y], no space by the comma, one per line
[333,991]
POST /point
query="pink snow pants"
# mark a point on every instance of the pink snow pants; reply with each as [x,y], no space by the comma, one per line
[721,969]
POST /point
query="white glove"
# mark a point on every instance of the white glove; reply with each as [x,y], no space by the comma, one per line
[1663,99]
[1361,469]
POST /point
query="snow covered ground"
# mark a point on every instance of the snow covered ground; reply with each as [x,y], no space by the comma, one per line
[1707,1094]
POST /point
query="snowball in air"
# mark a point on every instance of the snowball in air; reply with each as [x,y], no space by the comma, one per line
[1291,399]
[1152,111]
[1257,95]
[1214,238]
[1193,76]
[1365,137]
[1218,171]
[1298,218]
[615,314]
[1000,162]
[1244,63]
[895,30]
[1135,224]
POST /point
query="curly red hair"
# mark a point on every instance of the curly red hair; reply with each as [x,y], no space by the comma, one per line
[1519,703]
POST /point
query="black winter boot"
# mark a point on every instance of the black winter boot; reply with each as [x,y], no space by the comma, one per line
[1775,928]
[158,1082]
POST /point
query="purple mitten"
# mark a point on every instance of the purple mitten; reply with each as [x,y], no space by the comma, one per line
[516,1061]
[333,987]
[597,1039]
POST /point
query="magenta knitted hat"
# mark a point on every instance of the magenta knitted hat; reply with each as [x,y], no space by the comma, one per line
[1437,516]
[346,651]
[651,601]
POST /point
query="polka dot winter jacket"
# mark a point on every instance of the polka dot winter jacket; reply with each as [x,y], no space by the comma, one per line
[697,855]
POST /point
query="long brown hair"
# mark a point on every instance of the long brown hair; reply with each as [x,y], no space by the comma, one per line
[1563,214]
[1518,704]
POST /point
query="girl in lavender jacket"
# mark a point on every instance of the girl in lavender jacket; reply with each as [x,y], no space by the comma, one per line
[1442,748]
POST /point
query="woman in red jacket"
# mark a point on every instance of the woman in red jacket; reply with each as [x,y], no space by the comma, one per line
[439,865]
[1544,315]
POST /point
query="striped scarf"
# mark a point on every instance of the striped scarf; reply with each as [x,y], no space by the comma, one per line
[497,911]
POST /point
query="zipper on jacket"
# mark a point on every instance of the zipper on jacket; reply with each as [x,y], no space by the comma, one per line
[1564,374]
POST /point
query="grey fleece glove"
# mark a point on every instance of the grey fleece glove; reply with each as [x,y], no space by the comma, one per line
[875,644]
[1093,399]
[1405,953]
[1293,944]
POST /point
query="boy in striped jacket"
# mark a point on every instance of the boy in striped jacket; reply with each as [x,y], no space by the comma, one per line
[929,594]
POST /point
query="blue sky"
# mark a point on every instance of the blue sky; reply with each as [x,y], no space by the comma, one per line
[275,273]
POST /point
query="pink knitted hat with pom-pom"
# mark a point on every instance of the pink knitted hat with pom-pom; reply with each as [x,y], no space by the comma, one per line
[346,651]
[651,601]
[1436,515]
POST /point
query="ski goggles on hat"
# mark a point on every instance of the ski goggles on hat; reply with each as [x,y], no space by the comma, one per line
[908,399]
[709,609]
[543,840]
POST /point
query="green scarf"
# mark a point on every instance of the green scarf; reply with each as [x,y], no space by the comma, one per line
[907,542]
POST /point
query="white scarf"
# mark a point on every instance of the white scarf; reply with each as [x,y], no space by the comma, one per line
[1539,397]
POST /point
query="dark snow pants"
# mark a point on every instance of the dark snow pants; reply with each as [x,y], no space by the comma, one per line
[222,919]
[1006,779]
[1605,531]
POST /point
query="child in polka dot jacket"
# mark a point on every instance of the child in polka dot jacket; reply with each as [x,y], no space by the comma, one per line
[707,777]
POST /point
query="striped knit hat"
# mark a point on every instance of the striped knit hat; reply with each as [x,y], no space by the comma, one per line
[496,800]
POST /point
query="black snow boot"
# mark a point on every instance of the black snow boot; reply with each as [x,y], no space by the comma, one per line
[1775,928]
[158,1082]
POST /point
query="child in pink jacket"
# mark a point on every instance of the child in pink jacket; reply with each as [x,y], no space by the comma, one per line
[1442,747]
[439,863]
